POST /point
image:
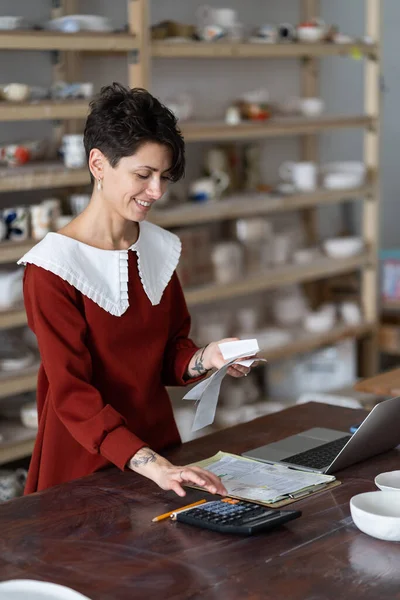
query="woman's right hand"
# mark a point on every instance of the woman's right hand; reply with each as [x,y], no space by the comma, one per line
[170,477]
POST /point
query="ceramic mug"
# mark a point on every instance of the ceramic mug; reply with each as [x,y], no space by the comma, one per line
[269,33]
[302,174]
[17,222]
[209,188]
[224,17]
[311,107]
[73,151]
[286,32]
[54,206]
[41,220]
[210,33]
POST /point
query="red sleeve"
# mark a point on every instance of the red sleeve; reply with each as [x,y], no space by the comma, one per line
[55,315]
[180,348]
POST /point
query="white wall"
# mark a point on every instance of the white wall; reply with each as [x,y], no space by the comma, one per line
[215,83]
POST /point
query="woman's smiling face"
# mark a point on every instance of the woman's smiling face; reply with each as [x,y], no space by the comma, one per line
[138,181]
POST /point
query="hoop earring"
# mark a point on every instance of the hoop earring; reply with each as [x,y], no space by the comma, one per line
[99,185]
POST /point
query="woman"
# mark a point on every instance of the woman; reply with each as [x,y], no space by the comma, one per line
[105,303]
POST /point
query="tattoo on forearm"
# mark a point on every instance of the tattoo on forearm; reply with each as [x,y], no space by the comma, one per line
[143,457]
[198,365]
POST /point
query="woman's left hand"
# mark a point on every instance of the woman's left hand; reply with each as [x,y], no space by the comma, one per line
[213,359]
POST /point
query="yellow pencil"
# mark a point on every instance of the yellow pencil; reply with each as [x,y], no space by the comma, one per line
[168,514]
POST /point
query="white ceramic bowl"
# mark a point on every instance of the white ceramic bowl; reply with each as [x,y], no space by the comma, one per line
[377,514]
[343,174]
[74,23]
[319,321]
[12,23]
[311,107]
[29,415]
[389,481]
[15,92]
[343,247]
[305,255]
[342,181]
[271,337]
[310,34]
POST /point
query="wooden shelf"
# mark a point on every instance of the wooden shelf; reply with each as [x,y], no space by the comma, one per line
[306,342]
[273,278]
[56,40]
[165,49]
[17,442]
[17,382]
[13,318]
[247,205]
[44,110]
[41,175]
[198,131]
[390,306]
[10,252]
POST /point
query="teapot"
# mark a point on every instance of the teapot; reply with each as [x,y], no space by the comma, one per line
[209,188]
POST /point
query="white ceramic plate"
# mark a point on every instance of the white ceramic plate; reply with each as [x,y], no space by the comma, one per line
[389,482]
[22,589]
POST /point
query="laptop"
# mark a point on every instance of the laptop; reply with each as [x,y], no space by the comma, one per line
[327,450]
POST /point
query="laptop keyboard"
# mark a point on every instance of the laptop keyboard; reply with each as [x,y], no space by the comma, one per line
[318,458]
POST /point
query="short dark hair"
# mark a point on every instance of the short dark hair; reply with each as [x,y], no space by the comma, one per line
[121,120]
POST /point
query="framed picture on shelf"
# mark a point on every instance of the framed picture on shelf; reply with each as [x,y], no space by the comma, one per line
[390,276]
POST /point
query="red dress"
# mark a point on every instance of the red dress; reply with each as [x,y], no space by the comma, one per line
[101,394]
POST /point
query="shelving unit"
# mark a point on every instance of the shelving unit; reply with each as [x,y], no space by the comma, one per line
[18,441]
[140,51]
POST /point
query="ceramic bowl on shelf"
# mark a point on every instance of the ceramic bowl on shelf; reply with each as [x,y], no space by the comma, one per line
[303,256]
[343,247]
[320,320]
[15,92]
[9,23]
[75,23]
[311,107]
[29,415]
[272,337]
[377,514]
[389,481]
[343,175]
[311,31]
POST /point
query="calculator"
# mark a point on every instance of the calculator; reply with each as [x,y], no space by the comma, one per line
[229,515]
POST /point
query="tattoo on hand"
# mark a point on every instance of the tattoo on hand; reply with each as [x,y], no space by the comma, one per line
[198,365]
[143,457]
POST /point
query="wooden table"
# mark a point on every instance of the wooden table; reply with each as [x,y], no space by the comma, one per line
[96,535]
[383,384]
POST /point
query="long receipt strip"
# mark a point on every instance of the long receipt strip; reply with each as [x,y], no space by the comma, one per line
[252,480]
[206,392]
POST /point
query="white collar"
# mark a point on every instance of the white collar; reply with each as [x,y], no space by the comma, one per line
[102,275]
